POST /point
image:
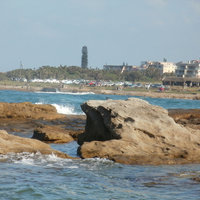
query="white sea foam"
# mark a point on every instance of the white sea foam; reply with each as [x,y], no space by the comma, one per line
[36,159]
[96,163]
[72,167]
[100,160]
[78,93]
[39,103]
[71,93]
[189,174]
[3,157]
[65,109]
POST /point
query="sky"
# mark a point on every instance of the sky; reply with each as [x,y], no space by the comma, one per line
[53,32]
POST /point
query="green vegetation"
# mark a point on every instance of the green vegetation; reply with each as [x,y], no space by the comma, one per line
[74,72]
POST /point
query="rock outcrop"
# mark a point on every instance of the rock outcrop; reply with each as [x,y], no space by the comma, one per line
[22,119]
[41,120]
[189,118]
[28,110]
[15,144]
[187,114]
[134,132]
[52,134]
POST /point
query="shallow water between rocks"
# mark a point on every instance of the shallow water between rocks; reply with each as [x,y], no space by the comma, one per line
[35,176]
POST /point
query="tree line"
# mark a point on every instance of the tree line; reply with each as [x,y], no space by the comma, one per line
[75,72]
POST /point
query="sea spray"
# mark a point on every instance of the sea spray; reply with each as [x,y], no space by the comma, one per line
[65,109]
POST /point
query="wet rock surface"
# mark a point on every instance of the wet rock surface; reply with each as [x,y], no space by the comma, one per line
[196,179]
[69,127]
[15,144]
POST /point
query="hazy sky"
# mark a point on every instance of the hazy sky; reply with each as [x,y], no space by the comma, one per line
[53,32]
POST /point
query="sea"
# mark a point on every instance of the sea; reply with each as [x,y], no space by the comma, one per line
[35,176]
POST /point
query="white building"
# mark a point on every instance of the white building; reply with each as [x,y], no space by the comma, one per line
[164,67]
[188,70]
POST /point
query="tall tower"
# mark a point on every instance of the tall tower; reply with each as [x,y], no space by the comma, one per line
[84,59]
[21,69]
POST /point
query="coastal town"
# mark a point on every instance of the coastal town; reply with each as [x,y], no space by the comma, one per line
[180,73]
[184,73]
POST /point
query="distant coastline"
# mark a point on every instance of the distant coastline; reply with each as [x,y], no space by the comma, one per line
[152,94]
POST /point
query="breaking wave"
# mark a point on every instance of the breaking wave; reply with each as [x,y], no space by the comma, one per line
[66,109]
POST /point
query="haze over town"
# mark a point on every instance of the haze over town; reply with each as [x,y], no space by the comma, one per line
[53,32]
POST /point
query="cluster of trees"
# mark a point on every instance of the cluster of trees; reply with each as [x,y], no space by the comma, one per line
[74,72]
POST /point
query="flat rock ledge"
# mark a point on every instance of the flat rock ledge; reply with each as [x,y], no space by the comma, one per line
[28,110]
[52,134]
[133,131]
[15,144]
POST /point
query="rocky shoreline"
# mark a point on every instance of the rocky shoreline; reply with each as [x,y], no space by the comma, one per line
[166,94]
[127,132]
[96,90]
[26,127]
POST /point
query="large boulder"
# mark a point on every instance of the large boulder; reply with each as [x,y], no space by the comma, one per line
[15,144]
[134,132]
[28,110]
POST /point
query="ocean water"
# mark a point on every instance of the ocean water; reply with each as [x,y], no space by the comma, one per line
[36,176]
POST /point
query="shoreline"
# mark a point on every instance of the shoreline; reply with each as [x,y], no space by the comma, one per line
[152,94]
